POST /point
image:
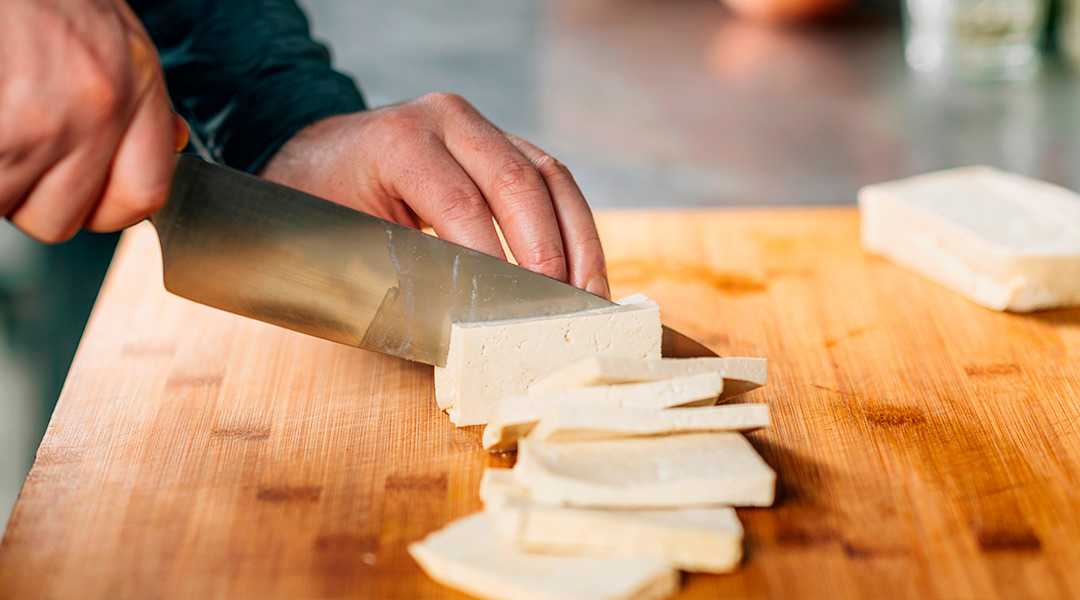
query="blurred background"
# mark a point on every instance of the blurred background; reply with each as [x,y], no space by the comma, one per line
[651,103]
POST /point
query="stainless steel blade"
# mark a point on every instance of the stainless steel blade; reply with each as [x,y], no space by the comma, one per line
[261,250]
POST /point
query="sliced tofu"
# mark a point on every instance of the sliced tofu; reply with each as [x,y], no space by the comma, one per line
[490,360]
[740,374]
[499,485]
[707,540]
[466,556]
[632,299]
[568,423]
[692,469]
[1003,240]
[517,415]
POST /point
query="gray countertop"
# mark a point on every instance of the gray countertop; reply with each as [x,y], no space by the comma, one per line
[679,104]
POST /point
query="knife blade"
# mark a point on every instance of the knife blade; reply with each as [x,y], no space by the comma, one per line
[245,245]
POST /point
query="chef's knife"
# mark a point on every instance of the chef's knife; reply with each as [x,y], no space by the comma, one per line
[251,247]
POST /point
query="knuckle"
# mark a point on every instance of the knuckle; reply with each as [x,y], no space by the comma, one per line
[592,246]
[591,241]
[550,167]
[448,102]
[461,202]
[548,259]
[515,178]
[100,82]
[398,128]
[101,94]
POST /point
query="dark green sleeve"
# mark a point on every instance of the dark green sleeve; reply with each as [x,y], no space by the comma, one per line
[245,73]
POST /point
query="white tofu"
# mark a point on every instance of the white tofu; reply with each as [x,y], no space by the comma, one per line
[569,423]
[517,415]
[632,299]
[706,540]
[692,469]
[499,485]
[466,556]
[1003,240]
[740,374]
[490,360]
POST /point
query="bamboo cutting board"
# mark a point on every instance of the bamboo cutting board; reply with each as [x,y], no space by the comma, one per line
[926,447]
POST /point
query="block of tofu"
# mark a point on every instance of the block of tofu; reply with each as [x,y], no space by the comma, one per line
[740,374]
[517,415]
[466,556]
[491,360]
[568,423]
[1003,240]
[694,469]
[632,299]
[704,540]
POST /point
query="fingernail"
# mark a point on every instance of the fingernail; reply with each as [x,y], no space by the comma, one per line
[181,133]
[598,286]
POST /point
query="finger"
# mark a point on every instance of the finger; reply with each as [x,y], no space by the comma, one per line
[584,253]
[141,172]
[68,183]
[442,194]
[515,191]
[20,173]
[65,195]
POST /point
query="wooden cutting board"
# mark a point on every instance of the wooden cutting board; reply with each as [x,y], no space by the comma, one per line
[926,447]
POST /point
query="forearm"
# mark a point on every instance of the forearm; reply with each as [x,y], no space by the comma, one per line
[245,73]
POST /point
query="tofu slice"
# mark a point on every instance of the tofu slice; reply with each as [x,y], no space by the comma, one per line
[500,485]
[694,469]
[740,374]
[517,415]
[568,423]
[705,540]
[632,299]
[1003,240]
[466,556]
[490,360]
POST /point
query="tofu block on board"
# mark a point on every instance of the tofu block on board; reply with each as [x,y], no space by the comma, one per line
[466,556]
[570,423]
[740,374]
[704,540]
[694,469]
[1003,240]
[517,415]
[491,360]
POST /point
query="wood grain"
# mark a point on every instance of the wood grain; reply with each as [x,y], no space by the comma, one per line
[926,447]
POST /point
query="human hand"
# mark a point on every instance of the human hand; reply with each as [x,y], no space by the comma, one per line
[88,134]
[784,11]
[437,160]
